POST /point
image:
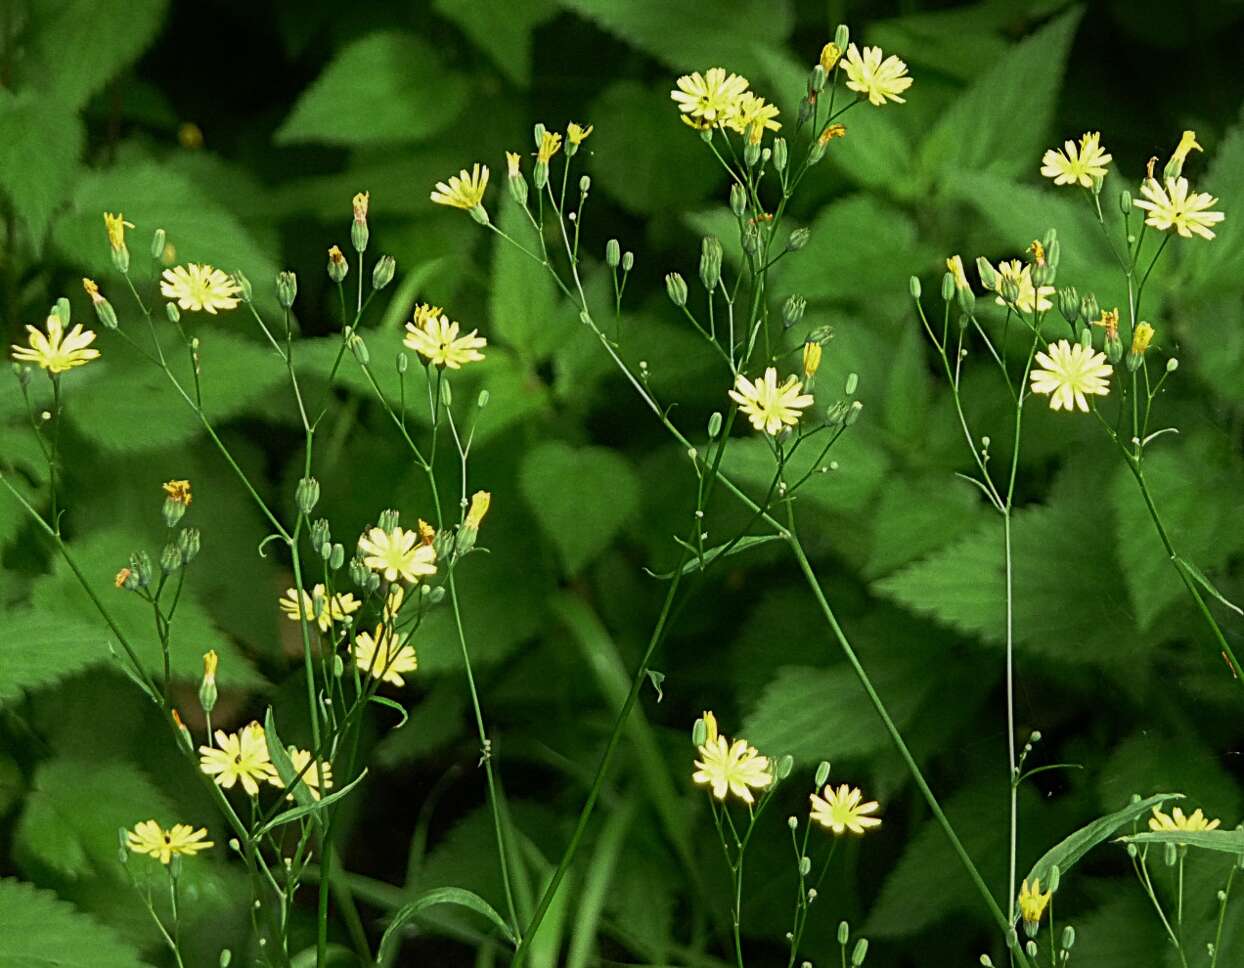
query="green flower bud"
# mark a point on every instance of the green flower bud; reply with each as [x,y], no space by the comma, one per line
[1171,855]
[105,313]
[1089,309]
[170,558]
[699,732]
[613,253]
[359,349]
[320,534]
[751,154]
[738,199]
[172,312]
[1125,201]
[816,80]
[173,511]
[384,271]
[842,36]
[714,425]
[1114,347]
[140,568]
[388,519]
[1069,938]
[158,240]
[781,154]
[913,286]
[1009,289]
[844,932]
[676,289]
[860,953]
[628,261]
[358,572]
[948,287]
[1069,304]
[307,494]
[337,558]
[1172,365]
[798,239]
[805,866]
[710,262]
[822,774]
[188,541]
[784,766]
[287,287]
[988,274]
[792,822]
[793,309]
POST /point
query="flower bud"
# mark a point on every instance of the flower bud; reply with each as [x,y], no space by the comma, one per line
[1125,201]
[811,361]
[676,289]
[860,953]
[1069,304]
[384,271]
[798,239]
[710,262]
[781,154]
[751,153]
[188,541]
[359,233]
[714,425]
[359,349]
[320,534]
[699,732]
[628,261]
[913,286]
[1089,308]
[1171,854]
[613,253]
[822,774]
[307,494]
[1069,938]
[816,80]
[805,866]
[792,822]
[337,265]
[784,766]
[337,558]
[286,288]
[738,199]
[359,572]
[172,312]
[793,310]
[207,688]
[388,519]
[844,932]
[140,568]
[988,274]
[948,287]
[1114,347]
[170,558]
[842,37]
[1009,289]
[1172,365]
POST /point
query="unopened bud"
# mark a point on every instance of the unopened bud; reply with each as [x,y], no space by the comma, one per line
[822,774]
[359,349]
[286,288]
[188,542]
[170,558]
[781,154]
[913,286]
[613,253]
[860,953]
[207,688]
[784,766]
[798,239]
[320,533]
[816,80]
[676,289]
[307,494]
[699,732]
[628,261]
[1125,201]
[359,233]
[988,274]
[384,271]
[1069,304]
[842,37]
[1089,308]
[844,932]
[710,262]
[738,199]
[714,425]
[337,265]
[793,309]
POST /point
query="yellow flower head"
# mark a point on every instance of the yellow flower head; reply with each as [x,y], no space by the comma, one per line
[831,132]
[115,226]
[122,577]
[338,610]
[480,502]
[1142,335]
[465,191]
[812,353]
[840,810]
[397,554]
[384,656]
[512,160]
[437,339]
[710,99]
[199,287]
[1176,820]
[311,775]
[359,203]
[1077,164]
[1037,250]
[576,135]
[879,80]
[550,144]
[90,287]
[753,115]
[954,265]
[148,837]
[1032,903]
[178,491]
[1070,372]
[1174,206]
[1174,167]
[425,314]
[831,53]
[770,407]
[1030,298]
[241,756]
[727,767]
[57,351]
[710,726]
[1109,322]
[210,661]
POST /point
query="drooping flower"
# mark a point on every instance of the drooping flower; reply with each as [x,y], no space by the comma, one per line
[840,810]
[728,767]
[337,610]
[1176,820]
[300,759]
[437,339]
[1030,299]
[384,655]
[1174,206]
[200,287]
[1069,373]
[148,837]
[710,99]
[465,191]
[397,554]
[1142,336]
[753,113]
[1077,164]
[1032,904]
[480,502]
[1175,166]
[57,351]
[768,406]
[241,756]
[879,80]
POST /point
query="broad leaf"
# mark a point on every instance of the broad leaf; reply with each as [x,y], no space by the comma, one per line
[39,149]
[40,929]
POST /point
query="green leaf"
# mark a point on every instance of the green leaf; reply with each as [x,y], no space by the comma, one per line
[1216,267]
[712,554]
[441,895]
[999,124]
[917,517]
[510,47]
[312,808]
[1205,583]
[45,648]
[1223,841]
[40,929]
[389,87]
[77,46]
[581,496]
[39,148]
[1067,852]
[284,765]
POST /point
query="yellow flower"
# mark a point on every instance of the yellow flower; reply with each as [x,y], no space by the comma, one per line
[122,577]
[300,759]
[576,135]
[240,756]
[199,287]
[480,502]
[770,407]
[115,226]
[397,553]
[1142,335]
[550,144]
[92,290]
[178,491]
[1079,165]
[880,80]
[730,767]
[1032,904]
[339,609]
[753,114]
[1176,820]
[1071,370]
[954,265]
[1109,322]
[425,314]
[831,53]
[465,191]
[360,203]
[384,656]
[831,132]
[840,810]
[1175,207]
[427,533]
[57,351]
[812,353]
[1174,167]
[148,837]
[708,100]
[210,661]
[512,159]
[1030,299]
[437,339]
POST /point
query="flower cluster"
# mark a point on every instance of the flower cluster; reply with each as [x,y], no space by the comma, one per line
[716,99]
[243,757]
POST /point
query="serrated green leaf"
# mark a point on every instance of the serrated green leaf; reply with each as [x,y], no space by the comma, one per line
[40,929]
[39,149]
[386,88]
[1216,267]
[999,124]
[509,48]
[581,496]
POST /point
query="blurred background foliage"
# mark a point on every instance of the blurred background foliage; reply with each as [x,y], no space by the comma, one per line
[243,130]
